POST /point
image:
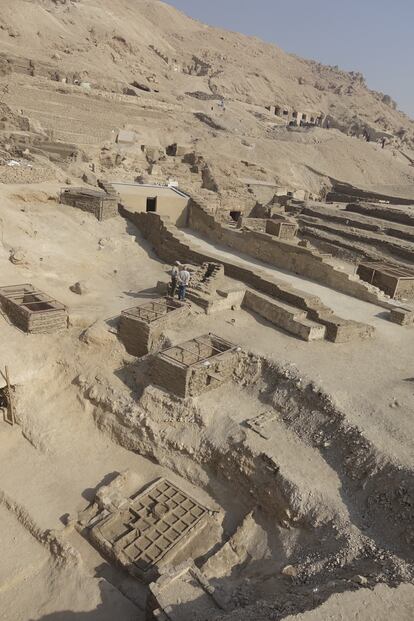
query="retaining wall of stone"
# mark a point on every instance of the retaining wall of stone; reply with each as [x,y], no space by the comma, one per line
[288,256]
[172,245]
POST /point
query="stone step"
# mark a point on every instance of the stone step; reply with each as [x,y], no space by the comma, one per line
[284,316]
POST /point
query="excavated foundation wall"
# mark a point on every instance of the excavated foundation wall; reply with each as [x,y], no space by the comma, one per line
[193,380]
[287,256]
[170,244]
[377,492]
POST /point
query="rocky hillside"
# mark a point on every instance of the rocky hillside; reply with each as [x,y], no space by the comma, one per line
[127,39]
[147,50]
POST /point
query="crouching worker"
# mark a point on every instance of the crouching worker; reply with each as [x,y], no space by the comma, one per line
[183,282]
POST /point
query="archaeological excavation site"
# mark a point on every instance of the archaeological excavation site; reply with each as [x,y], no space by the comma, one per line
[206,325]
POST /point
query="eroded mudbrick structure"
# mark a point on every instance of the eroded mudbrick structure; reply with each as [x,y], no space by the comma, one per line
[183,594]
[32,310]
[395,281]
[198,365]
[284,228]
[96,202]
[141,328]
[143,531]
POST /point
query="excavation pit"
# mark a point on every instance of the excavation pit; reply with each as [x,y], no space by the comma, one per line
[395,281]
[141,327]
[195,366]
[32,310]
[145,531]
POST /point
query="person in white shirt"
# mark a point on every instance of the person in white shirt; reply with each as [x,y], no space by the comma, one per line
[183,282]
[175,272]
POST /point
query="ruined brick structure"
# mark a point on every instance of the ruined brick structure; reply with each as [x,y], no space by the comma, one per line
[96,202]
[141,328]
[191,368]
[283,228]
[395,281]
[32,310]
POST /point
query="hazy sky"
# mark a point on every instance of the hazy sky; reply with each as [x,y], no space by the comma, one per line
[375,37]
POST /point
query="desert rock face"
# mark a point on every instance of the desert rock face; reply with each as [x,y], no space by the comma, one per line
[244,453]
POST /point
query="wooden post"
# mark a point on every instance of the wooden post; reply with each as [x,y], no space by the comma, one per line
[9,416]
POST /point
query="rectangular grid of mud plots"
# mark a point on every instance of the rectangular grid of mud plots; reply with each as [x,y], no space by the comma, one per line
[395,281]
[141,327]
[32,310]
[152,525]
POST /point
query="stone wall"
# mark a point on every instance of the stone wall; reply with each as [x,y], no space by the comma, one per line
[141,337]
[100,204]
[291,257]
[32,311]
[172,245]
[170,376]
[193,380]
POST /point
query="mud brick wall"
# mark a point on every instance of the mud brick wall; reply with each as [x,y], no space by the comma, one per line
[254,224]
[90,204]
[109,207]
[170,245]
[293,320]
[291,257]
[134,334]
[102,207]
[169,376]
[405,290]
[397,288]
[192,381]
[202,378]
[141,338]
[35,323]
[283,230]
[402,316]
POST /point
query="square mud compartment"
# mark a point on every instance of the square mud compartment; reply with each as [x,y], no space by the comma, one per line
[96,202]
[141,327]
[148,528]
[32,310]
[395,281]
[193,367]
